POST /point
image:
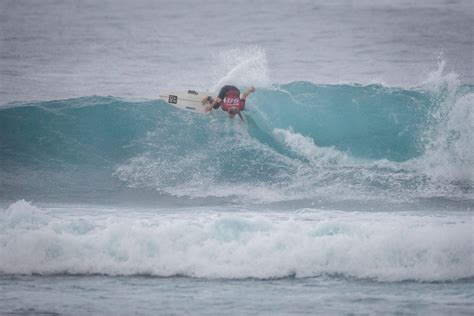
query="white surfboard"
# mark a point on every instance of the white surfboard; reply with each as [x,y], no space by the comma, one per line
[190,100]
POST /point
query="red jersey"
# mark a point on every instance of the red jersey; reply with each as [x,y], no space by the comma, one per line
[231,98]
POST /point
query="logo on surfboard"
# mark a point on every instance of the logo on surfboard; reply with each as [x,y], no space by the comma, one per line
[173,99]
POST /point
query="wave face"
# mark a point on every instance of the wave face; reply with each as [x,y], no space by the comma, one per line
[301,142]
[263,245]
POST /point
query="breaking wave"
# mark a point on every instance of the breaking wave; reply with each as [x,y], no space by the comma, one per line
[301,141]
[264,245]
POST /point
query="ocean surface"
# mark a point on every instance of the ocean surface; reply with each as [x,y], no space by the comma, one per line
[349,190]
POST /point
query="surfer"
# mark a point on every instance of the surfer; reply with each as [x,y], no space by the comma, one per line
[229,99]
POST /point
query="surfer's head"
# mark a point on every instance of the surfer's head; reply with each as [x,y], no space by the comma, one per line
[233,111]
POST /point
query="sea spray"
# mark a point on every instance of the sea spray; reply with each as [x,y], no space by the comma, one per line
[242,67]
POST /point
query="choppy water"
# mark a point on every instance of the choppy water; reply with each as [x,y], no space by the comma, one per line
[350,189]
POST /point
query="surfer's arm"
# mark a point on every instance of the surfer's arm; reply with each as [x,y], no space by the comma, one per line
[214,105]
[247,93]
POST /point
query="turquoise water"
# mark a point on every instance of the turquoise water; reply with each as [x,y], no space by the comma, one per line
[349,189]
[302,143]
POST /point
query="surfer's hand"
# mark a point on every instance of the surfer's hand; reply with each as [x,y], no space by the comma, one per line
[252,89]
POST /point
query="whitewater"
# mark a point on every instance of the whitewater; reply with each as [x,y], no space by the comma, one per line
[349,189]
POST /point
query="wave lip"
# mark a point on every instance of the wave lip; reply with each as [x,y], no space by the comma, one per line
[310,243]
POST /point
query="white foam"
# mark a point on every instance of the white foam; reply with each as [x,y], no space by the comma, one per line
[305,147]
[307,243]
[22,213]
[449,153]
